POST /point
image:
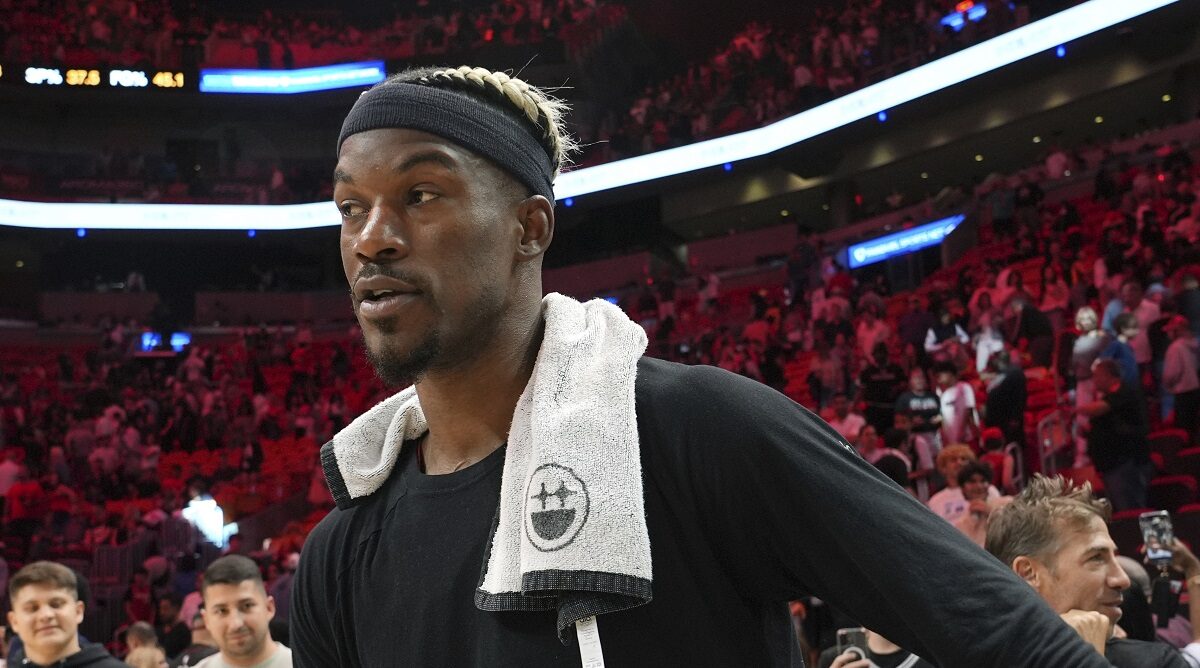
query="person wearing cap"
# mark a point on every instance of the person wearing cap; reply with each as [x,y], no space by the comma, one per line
[446,550]
[1179,373]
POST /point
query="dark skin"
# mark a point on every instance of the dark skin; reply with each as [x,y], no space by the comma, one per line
[470,241]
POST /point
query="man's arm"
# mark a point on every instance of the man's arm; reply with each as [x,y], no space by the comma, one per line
[1094,409]
[792,510]
[313,605]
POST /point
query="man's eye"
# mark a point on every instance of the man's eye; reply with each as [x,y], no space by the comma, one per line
[350,209]
[421,197]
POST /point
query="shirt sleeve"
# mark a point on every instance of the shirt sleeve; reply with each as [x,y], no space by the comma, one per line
[313,604]
[792,510]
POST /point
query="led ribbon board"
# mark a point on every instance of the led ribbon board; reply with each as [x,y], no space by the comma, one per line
[977,60]
[902,243]
[305,80]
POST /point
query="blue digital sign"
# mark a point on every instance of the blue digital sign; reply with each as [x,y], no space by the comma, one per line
[900,243]
[305,80]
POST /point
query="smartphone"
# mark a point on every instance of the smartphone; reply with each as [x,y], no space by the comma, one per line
[852,640]
[1157,535]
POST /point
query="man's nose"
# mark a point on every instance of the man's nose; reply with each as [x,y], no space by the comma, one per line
[381,237]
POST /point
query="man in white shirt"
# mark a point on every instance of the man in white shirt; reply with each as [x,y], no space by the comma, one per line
[237,612]
[959,418]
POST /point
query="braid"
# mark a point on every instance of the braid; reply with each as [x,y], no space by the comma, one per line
[534,105]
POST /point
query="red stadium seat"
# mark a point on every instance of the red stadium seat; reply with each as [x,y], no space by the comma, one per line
[1172,492]
[1187,462]
[1168,442]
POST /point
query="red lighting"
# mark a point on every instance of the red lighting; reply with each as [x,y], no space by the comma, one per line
[489,35]
[858,200]
[1162,177]
[964,6]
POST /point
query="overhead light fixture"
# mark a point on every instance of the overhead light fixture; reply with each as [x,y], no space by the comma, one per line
[1037,139]
[1166,97]
[924,175]
[978,158]
[1099,120]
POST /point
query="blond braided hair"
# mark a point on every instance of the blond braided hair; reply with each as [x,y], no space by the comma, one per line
[544,111]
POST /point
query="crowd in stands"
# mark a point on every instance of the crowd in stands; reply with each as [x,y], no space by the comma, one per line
[167,35]
[766,71]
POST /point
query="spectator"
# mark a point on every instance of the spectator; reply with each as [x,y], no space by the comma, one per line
[960,421]
[1055,537]
[1006,398]
[202,645]
[139,635]
[146,657]
[1120,350]
[1117,439]
[922,411]
[949,503]
[1032,331]
[975,481]
[1133,300]
[237,611]
[843,420]
[915,324]
[1088,345]
[945,339]
[173,634]
[46,613]
[1189,300]
[1002,464]
[1179,373]
[880,384]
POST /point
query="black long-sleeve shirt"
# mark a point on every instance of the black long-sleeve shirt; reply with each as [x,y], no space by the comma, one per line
[750,500]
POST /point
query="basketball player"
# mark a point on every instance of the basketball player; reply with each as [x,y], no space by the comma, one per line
[444,184]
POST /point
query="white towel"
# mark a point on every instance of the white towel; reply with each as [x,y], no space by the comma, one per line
[570,529]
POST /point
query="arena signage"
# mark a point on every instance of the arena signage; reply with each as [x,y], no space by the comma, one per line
[305,80]
[91,77]
[901,243]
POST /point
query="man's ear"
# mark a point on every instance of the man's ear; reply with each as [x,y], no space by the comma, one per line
[1027,569]
[536,215]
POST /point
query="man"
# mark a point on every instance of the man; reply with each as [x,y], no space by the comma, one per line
[945,338]
[950,503]
[173,633]
[202,645]
[237,612]
[1133,300]
[140,634]
[1117,439]
[923,411]
[46,613]
[975,481]
[1119,349]
[1034,328]
[843,420]
[1006,398]
[880,384]
[1179,373]
[960,421]
[444,182]
[1055,537]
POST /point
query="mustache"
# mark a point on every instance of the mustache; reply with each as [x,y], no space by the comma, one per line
[371,270]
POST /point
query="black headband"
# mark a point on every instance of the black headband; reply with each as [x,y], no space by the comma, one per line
[476,126]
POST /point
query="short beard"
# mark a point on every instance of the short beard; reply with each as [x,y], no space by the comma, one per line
[397,369]
[400,370]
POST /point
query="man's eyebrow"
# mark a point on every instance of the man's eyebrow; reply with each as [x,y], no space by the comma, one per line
[436,157]
[417,159]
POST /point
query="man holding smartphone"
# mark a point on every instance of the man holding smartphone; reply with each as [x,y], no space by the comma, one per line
[875,652]
[1054,536]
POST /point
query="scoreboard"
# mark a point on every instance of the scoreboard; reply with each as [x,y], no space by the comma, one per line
[246,81]
[94,77]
